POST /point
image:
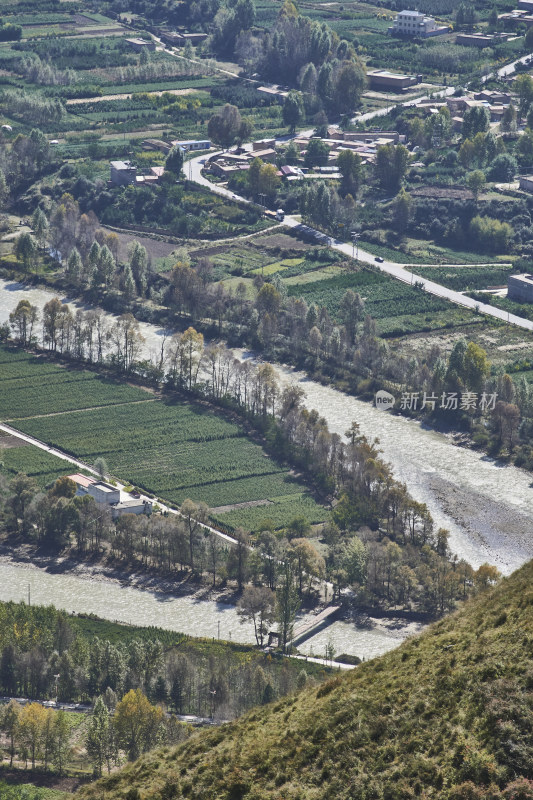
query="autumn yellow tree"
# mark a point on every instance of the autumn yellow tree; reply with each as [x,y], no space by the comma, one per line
[137,723]
[31,726]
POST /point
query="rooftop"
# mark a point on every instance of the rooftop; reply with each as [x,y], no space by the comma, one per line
[104,487]
[122,165]
[82,480]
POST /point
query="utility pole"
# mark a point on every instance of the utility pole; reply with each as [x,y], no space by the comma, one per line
[29,594]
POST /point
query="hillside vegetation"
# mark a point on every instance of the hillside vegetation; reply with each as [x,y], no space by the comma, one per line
[446,715]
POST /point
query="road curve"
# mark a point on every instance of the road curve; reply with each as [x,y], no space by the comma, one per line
[193,170]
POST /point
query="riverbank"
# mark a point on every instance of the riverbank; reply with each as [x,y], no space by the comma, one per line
[415,453]
[186,606]
[96,568]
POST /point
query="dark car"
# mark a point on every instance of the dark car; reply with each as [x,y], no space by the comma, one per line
[379,259]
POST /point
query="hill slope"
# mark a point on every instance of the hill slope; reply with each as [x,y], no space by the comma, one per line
[446,715]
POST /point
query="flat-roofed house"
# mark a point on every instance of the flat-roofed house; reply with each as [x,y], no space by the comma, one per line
[131,507]
[414,23]
[123,173]
[101,491]
[391,81]
[520,288]
[141,44]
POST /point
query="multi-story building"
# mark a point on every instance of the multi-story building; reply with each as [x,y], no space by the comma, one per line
[416,24]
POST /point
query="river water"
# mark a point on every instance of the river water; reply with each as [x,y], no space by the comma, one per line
[486,506]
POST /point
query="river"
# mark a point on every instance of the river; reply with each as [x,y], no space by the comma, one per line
[486,506]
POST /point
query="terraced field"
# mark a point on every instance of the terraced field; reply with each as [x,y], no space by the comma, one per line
[172,448]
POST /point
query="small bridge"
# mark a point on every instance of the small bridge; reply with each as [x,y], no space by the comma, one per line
[307,628]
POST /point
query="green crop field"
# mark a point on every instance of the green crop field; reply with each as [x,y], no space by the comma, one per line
[397,307]
[466,278]
[36,463]
[31,386]
[169,447]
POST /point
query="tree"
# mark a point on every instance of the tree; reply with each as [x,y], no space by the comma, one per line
[26,250]
[23,320]
[307,562]
[239,557]
[467,153]
[194,515]
[352,312]
[225,125]
[106,266]
[63,487]
[23,489]
[317,153]
[137,723]
[354,560]
[349,82]
[191,351]
[475,120]
[257,604]
[100,465]
[490,235]
[61,740]
[268,300]
[39,224]
[508,123]
[402,209]
[486,576]
[523,86]
[74,265]
[253,173]
[503,168]
[9,720]
[391,165]
[287,605]
[138,262]
[269,180]
[293,110]
[30,728]
[350,166]
[476,182]
[174,161]
[476,366]
[128,284]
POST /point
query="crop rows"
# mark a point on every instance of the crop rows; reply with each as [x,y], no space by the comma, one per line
[277,512]
[240,490]
[61,392]
[463,278]
[172,448]
[34,462]
[383,298]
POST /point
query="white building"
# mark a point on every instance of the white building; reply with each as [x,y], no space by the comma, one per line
[414,23]
[193,144]
[101,491]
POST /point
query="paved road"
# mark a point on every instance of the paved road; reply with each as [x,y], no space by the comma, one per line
[401,273]
[81,465]
[391,268]
[508,69]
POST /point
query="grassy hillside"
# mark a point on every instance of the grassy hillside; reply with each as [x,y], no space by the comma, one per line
[447,715]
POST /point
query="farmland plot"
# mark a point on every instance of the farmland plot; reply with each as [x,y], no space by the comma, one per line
[172,448]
